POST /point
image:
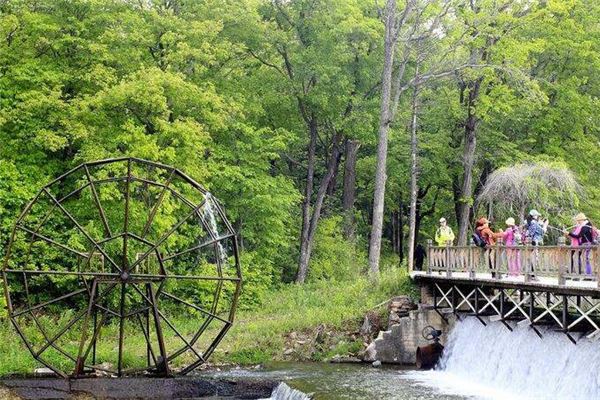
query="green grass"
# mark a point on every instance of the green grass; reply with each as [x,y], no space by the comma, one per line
[257,335]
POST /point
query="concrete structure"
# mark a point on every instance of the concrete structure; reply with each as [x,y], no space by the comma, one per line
[398,345]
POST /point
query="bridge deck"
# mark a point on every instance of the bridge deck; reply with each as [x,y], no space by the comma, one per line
[543,283]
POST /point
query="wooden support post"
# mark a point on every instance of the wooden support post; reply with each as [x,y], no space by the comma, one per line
[498,258]
[527,258]
[453,298]
[501,308]
[429,256]
[471,262]
[447,258]
[565,320]
[531,306]
[562,260]
[596,263]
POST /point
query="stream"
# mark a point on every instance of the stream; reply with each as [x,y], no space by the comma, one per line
[479,362]
[322,381]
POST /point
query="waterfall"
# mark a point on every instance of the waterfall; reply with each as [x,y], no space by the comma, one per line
[493,362]
[209,216]
[284,392]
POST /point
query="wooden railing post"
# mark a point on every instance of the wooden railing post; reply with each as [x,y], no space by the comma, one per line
[429,255]
[528,261]
[498,258]
[447,258]
[562,260]
[470,261]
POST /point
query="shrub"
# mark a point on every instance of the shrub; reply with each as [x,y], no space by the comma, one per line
[334,257]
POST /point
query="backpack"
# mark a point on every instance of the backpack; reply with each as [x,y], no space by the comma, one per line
[518,236]
[478,240]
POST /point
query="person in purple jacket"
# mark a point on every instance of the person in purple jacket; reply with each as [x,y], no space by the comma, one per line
[512,238]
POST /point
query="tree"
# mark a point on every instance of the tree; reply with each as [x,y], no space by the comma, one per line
[418,23]
[325,84]
[551,187]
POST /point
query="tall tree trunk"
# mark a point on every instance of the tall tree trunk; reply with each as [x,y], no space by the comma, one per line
[414,176]
[456,186]
[306,208]
[382,144]
[469,147]
[487,169]
[333,181]
[401,231]
[309,236]
[349,194]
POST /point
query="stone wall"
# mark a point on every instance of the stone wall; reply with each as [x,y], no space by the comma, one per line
[398,345]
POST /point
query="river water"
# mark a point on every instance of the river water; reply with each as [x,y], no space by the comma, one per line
[479,362]
[341,381]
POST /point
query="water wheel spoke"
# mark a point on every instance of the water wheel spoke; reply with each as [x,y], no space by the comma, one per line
[195,307]
[73,273]
[156,277]
[80,228]
[198,247]
[166,236]
[73,321]
[48,240]
[47,303]
[157,205]
[147,337]
[107,230]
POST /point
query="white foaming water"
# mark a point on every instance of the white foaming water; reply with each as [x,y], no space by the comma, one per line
[284,392]
[209,214]
[491,362]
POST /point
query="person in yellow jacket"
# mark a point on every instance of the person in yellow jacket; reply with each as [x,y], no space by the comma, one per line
[444,233]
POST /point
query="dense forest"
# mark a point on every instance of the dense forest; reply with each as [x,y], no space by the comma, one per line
[321,125]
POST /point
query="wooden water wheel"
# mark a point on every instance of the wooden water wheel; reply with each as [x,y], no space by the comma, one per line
[122,266]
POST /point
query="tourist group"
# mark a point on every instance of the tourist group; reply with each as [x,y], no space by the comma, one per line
[583,235]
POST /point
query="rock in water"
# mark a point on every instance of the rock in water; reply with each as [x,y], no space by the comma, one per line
[376,364]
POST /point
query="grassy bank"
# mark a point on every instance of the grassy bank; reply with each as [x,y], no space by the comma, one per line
[332,307]
[311,321]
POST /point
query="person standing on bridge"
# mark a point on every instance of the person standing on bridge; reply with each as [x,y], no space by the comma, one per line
[583,236]
[489,237]
[444,234]
[512,238]
[535,230]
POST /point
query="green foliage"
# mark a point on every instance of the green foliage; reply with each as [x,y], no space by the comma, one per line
[334,257]
[225,91]
[90,80]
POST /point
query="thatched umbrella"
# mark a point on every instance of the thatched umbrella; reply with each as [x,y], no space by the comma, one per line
[546,186]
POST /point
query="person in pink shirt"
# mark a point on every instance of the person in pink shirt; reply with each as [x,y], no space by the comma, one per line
[512,238]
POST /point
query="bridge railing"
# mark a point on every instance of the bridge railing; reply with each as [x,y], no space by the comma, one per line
[559,261]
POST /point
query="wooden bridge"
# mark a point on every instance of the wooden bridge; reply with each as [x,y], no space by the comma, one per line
[551,287]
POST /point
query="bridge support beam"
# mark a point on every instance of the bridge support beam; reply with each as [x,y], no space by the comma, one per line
[576,313]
